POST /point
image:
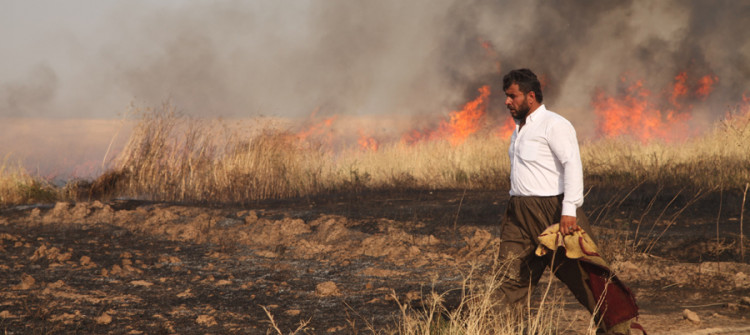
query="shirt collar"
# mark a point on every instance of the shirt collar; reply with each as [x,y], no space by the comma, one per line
[536,114]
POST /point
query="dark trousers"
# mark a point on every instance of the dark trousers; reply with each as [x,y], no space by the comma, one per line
[525,219]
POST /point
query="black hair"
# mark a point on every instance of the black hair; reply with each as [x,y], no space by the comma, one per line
[526,81]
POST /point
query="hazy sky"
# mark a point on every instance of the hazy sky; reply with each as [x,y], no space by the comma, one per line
[92,59]
[66,60]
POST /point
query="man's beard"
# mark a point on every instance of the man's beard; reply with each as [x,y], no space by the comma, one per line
[522,111]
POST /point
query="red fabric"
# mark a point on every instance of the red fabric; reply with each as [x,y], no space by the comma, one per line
[638,326]
[618,304]
[583,248]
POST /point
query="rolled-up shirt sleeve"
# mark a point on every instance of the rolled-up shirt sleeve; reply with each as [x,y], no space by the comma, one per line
[564,145]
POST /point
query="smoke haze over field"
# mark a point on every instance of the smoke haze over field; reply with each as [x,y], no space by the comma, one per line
[232,58]
[92,59]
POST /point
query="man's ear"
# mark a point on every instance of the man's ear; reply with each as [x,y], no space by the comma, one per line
[531,96]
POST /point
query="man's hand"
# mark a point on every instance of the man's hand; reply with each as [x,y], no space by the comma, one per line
[568,225]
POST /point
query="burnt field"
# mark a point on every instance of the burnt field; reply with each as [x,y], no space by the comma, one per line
[332,168]
[344,264]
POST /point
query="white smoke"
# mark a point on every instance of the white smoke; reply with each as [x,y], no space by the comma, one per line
[288,58]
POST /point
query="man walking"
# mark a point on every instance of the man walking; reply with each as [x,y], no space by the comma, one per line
[546,188]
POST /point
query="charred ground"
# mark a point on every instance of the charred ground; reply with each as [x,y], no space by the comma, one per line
[337,261]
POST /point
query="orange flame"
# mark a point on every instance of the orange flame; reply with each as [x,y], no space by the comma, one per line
[491,52]
[635,114]
[460,125]
[412,136]
[507,128]
[679,88]
[622,116]
[705,86]
[465,122]
[318,128]
[486,45]
[367,143]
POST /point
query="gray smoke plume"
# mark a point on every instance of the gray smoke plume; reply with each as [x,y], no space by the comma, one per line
[288,58]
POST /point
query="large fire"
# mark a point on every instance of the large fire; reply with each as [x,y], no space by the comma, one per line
[637,113]
[460,124]
[456,129]
[465,122]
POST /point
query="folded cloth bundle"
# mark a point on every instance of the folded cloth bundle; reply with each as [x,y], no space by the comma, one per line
[617,303]
[577,245]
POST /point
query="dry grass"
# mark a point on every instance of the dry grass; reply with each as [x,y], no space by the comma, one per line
[170,157]
[717,159]
[176,158]
[19,187]
[479,312]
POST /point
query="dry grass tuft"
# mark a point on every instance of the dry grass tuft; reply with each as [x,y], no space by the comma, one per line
[171,157]
[479,312]
[18,187]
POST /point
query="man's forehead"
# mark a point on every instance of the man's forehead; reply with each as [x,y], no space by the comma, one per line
[513,88]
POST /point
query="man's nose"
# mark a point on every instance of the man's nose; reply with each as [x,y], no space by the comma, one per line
[508,100]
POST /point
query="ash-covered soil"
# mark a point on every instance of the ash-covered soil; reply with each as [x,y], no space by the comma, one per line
[337,262]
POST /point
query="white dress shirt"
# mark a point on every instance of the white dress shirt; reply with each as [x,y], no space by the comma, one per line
[545,160]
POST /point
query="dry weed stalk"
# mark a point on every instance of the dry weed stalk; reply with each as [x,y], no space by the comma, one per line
[302,324]
[696,196]
[479,312]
